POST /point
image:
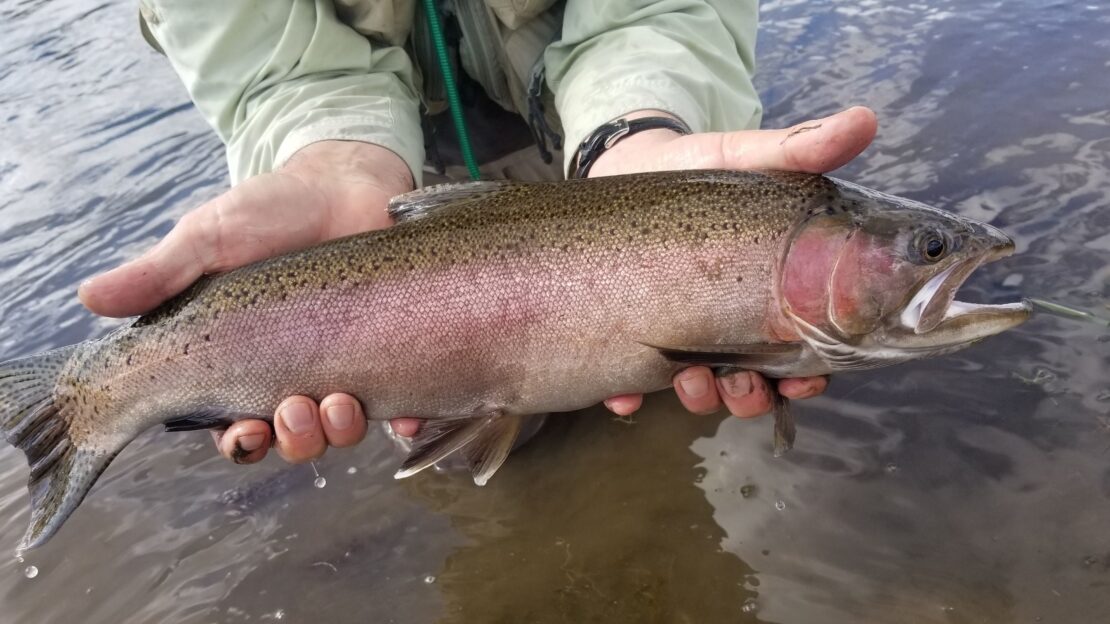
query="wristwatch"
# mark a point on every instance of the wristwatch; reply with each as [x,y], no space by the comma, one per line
[607,135]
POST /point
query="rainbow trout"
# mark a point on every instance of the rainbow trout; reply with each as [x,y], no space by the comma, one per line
[492,301]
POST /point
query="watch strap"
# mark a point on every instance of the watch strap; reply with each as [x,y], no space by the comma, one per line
[607,135]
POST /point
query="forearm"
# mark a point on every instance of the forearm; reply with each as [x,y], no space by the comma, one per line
[693,59]
[274,77]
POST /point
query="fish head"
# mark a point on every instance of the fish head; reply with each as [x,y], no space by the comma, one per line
[870,279]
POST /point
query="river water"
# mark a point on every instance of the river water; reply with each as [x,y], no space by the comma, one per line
[973,488]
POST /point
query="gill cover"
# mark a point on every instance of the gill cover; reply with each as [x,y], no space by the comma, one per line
[833,277]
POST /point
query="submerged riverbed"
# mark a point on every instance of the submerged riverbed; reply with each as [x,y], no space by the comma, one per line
[972,488]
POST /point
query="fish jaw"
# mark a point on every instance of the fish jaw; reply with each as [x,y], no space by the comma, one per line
[933,318]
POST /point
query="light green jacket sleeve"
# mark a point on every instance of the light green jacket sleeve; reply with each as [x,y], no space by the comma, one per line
[273,76]
[691,58]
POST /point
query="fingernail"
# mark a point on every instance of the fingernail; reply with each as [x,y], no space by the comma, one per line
[694,385]
[251,443]
[298,418]
[737,385]
[341,416]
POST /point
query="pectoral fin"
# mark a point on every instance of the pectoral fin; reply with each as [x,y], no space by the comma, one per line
[484,440]
[784,423]
[737,356]
[780,409]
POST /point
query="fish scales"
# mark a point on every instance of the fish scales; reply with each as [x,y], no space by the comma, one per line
[482,306]
[489,302]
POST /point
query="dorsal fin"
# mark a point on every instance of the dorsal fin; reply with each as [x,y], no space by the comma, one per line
[422,202]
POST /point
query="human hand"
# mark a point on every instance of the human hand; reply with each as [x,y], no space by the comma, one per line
[327,190]
[817,146]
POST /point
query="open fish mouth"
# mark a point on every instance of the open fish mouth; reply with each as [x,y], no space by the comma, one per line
[935,302]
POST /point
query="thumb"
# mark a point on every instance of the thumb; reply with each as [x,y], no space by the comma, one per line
[817,146]
[261,217]
[139,285]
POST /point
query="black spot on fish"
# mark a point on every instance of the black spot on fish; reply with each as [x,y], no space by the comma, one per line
[185,351]
[208,337]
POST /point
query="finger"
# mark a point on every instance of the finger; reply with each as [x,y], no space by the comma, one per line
[624,404]
[745,394]
[817,146]
[342,419]
[300,437]
[246,224]
[244,442]
[695,388]
[803,387]
[406,427]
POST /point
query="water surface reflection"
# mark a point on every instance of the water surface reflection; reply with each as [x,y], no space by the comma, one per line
[975,488]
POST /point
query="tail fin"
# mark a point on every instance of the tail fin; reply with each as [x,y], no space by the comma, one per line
[34,419]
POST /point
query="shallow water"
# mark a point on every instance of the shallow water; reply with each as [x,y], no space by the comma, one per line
[974,488]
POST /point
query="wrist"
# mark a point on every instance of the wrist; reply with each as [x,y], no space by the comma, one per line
[615,159]
[351,163]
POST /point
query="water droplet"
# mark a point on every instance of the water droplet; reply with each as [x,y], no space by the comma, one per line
[749,606]
[352,470]
[279,614]
[320,481]
[780,505]
[429,579]
[31,572]
[891,468]
[1043,376]
[747,491]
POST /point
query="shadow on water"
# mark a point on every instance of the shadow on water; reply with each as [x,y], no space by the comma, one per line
[973,488]
[620,532]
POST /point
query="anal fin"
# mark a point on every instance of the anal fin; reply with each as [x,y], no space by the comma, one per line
[485,441]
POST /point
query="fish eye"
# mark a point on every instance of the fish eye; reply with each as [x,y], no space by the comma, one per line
[933,246]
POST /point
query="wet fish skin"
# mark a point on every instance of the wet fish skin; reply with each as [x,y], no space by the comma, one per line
[486,303]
